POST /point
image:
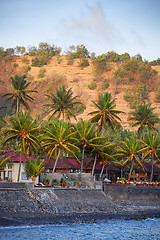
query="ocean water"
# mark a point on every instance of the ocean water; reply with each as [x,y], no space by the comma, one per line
[147,229]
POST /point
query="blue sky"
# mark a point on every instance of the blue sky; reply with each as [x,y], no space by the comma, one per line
[131,26]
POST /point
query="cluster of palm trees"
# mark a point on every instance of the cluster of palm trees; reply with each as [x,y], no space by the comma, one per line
[101,138]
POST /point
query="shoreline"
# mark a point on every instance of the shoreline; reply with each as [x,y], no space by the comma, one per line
[72,218]
[22,206]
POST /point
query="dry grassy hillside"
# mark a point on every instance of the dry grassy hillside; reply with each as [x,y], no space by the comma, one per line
[58,72]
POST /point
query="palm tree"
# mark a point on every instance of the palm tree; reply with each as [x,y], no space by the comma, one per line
[20,95]
[143,116]
[86,137]
[58,136]
[106,112]
[152,141]
[63,103]
[23,129]
[131,149]
[34,168]
[4,160]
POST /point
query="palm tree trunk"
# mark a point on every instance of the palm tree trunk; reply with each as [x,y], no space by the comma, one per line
[130,171]
[102,170]
[20,163]
[63,114]
[151,178]
[82,160]
[57,158]
[94,164]
[17,107]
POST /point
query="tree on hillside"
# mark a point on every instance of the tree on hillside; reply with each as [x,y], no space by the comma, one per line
[152,141]
[106,112]
[23,129]
[142,116]
[57,137]
[63,103]
[20,94]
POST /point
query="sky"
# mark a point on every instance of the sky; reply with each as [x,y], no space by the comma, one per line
[131,26]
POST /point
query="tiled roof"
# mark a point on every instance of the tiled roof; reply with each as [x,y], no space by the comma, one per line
[72,163]
[15,155]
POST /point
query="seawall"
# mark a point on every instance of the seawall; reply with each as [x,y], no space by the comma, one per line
[20,205]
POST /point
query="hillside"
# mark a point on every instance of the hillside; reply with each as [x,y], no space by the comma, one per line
[58,72]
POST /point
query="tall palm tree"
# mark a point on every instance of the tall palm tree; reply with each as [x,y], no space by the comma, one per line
[23,129]
[152,141]
[86,137]
[58,136]
[63,103]
[131,149]
[142,116]
[106,112]
[4,160]
[33,168]
[20,94]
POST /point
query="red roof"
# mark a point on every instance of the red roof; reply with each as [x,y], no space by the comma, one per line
[72,163]
[15,155]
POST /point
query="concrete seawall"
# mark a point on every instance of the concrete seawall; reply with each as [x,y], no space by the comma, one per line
[20,205]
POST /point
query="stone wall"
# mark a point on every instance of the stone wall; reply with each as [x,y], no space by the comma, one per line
[18,203]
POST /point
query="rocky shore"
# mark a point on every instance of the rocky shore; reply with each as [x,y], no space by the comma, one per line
[21,205]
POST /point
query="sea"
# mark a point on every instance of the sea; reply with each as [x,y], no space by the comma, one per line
[120,229]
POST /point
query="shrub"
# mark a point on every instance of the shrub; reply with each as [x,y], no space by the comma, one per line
[92,86]
[105,85]
[25,60]
[42,73]
[15,65]
[38,62]
[83,62]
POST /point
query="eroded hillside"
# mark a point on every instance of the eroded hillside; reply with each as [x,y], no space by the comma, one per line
[58,72]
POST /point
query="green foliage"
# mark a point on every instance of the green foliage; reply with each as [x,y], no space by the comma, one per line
[38,62]
[136,95]
[43,54]
[92,86]
[25,60]
[155,62]
[41,73]
[112,57]
[135,70]
[83,62]
[28,68]
[15,65]
[157,91]
[105,85]
[80,51]
[20,50]
[100,64]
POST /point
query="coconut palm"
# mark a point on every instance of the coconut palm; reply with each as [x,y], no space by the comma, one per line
[131,149]
[152,141]
[63,103]
[106,112]
[142,116]
[58,136]
[33,168]
[4,160]
[20,94]
[86,138]
[22,129]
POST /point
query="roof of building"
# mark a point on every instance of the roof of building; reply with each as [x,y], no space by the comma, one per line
[15,155]
[72,163]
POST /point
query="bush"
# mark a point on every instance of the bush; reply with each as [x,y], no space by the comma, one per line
[25,60]
[15,65]
[83,62]
[38,62]
[105,85]
[41,73]
[92,86]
